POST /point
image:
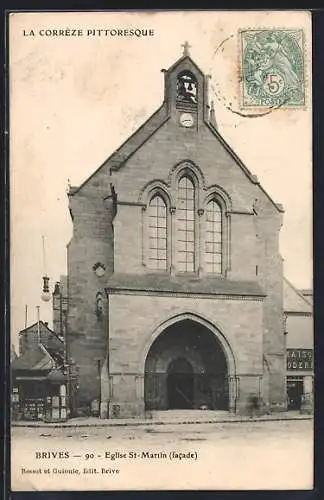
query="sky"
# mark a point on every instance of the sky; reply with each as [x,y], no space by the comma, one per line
[75,99]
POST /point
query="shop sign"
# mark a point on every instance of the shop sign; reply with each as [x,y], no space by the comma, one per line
[15,395]
[300,359]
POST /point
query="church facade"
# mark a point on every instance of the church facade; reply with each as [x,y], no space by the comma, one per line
[175,278]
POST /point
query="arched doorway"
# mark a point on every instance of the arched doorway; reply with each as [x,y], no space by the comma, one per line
[180,384]
[186,367]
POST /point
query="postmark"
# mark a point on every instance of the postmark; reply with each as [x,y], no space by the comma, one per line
[272,68]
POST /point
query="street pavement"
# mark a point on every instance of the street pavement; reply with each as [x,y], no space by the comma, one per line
[166,417]
[214,456]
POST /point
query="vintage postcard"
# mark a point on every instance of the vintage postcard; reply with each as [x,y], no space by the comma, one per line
[161,250]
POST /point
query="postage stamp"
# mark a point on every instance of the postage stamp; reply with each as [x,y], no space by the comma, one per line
[272,68]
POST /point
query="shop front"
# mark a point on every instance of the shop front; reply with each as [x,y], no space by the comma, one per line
[39,397]
[300,379]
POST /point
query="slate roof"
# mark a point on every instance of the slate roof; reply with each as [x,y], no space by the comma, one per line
[183,284]
[43,326]
[37,358]
[57,356]
[294,300]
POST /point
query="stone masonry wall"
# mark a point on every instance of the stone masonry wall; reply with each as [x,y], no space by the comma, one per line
[254,328]
[92,242]
[240,321]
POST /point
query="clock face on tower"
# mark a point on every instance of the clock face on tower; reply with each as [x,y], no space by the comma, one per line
[186,120]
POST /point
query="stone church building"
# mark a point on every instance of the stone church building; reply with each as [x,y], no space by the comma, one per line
[175,278]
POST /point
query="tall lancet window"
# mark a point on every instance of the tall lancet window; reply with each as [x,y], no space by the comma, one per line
[186,225]
[213,244]
[157,226]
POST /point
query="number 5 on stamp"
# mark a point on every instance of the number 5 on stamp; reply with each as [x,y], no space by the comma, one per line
[272,68]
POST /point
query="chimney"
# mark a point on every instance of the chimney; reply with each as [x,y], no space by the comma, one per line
[56,303]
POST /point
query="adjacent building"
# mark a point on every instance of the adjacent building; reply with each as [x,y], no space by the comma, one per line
[298,314]
[43,377]
[38,384]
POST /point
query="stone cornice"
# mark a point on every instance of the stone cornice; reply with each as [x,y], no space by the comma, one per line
[298,313]
[239,212]
[131,203]
[167,293]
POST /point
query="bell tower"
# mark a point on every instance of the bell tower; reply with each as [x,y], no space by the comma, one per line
[186,92]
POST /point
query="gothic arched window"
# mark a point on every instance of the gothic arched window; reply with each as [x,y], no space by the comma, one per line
[186,224]
[213,243]
[187,88]
[157,233]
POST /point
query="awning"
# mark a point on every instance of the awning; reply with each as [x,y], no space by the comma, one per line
[23,377]
[54,376]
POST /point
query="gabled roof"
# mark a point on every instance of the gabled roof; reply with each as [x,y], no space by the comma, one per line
[57,356]
[294,301]
[36,358]
[253,178]
[119,157]
[182,59]
[139,137]
[43,326]
[130,145]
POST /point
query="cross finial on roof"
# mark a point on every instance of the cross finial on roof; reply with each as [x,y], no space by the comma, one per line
[186,48]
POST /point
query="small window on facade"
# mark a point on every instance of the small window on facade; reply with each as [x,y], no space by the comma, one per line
[99,305]
[157,225]
[187,88]
[186,225]
[213,243]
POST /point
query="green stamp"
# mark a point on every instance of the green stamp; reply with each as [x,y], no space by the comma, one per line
[272,68]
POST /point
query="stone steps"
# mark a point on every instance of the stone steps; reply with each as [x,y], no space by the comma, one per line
[188,415]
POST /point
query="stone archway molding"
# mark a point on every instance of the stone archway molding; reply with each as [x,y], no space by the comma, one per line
[230,359]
